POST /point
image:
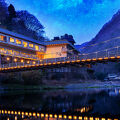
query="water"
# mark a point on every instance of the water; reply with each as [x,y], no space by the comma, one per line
[81,104]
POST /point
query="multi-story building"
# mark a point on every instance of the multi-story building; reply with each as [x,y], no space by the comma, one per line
[18,48]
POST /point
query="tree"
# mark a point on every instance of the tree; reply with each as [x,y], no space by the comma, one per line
[3,11]
[31,22]
[12,12]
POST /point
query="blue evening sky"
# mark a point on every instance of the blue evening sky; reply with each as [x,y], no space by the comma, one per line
[81,18]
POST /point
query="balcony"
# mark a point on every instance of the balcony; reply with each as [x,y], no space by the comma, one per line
[17,54]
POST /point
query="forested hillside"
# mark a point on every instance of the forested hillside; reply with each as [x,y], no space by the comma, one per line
[21,22]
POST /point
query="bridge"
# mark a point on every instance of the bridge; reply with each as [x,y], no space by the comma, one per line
[20,53]
[112,54]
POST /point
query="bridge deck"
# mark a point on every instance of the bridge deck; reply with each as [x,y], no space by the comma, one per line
[56,62]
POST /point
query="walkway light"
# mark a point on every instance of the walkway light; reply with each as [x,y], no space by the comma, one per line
[8,58]
[15,60]
[28,62]
[55,116]
[34,62]
[38,114]
[22,60]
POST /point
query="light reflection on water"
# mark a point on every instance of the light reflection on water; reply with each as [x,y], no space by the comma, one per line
[87,102]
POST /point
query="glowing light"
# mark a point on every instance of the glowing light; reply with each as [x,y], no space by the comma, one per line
[96,118]
[100,58]
[75,117]
[38,114]
[18,42]
[80,118]
[22,60]
[28,62]
[42,115]
[15,113]
[30,114]
[34,62]
[5,112]
[64,116]
[55,116]
[51,115]
[8,58]
[12,40]
[8,112]
[12,112]
[112,57]
[88,59]
[83,60]
[69,117]
[18,112]
[34,114]
[102,118]
[91,118]
[22,113]
[15,60]
[26,113]
[15,117]
[85,118]
[60,116]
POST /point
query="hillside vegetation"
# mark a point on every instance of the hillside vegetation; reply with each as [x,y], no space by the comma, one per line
[21,22]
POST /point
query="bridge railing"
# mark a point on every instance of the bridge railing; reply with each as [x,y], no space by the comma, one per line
[112,52]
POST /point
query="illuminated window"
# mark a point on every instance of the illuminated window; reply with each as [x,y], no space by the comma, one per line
[12,40]
[24,44]
[30,45]
[36,47]
[18,42]
[2,38]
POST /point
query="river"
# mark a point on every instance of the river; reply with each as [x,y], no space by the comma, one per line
[84,104]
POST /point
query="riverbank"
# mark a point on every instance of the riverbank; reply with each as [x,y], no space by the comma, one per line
[74,85]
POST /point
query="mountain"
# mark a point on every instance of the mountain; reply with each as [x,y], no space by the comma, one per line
[107,37]
[80,47]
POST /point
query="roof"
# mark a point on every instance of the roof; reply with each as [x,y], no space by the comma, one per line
[55,42]
[16,35]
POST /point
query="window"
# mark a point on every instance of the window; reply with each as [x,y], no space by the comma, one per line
[36,47]
[2,38]
[42,49]
[30,45]
[24,44]
[12,40]
[18,42]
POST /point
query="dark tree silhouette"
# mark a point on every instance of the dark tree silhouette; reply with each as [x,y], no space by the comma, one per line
[3,11]
[69,38]
[12,12]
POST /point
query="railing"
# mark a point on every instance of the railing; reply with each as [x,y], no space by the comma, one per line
[17,54]
[108,53]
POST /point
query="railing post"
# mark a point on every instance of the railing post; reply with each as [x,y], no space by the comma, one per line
[107,55]
[117,52]
[96,55]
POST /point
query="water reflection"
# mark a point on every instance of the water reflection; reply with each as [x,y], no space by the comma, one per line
[54,105]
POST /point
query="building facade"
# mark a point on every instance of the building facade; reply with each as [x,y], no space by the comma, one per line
[18,48]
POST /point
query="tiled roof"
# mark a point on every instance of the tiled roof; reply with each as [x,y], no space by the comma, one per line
[19,36]
[54,42]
